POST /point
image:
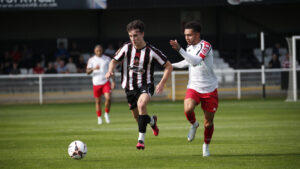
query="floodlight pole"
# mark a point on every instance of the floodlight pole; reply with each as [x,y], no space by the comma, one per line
[263,78]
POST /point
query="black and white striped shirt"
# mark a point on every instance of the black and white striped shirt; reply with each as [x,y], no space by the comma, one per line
[138,65]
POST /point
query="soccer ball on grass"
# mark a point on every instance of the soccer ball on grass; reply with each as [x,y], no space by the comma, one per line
[77,150]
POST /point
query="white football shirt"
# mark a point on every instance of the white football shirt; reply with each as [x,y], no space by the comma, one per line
[199,58]
[99,75]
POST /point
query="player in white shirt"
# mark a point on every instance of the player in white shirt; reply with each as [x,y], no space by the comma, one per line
[98,67]
[202,85]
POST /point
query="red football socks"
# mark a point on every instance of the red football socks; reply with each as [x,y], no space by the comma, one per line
[190,117]
[208,132]
[98,113]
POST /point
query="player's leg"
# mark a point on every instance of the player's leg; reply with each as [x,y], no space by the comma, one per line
[146,93]
[143,119]
[107,94]
[98,109]
[107,106]
[135,114]
[209,106]
[97,96]
[190,102]
[208,131]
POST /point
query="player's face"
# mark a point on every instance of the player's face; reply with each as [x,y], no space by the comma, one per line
[191,37]
[136,37]
[98,51]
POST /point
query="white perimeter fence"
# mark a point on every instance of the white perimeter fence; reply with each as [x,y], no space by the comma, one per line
[55,88]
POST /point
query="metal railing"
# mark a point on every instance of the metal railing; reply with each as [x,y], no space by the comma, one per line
[231,82]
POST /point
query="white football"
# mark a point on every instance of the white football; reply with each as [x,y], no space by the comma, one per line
[77,149]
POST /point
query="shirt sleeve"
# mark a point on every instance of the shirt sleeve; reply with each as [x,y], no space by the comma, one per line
[159,56]
[205,48]
[194,60]
[119,56]
[181,64]
[89,64]
[200,55]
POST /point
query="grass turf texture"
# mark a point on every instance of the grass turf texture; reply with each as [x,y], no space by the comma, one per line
[248,134]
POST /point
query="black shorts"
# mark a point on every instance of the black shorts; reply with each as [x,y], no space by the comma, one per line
[133,95]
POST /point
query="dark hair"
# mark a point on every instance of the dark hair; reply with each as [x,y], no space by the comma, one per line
[136,24]
[196,26]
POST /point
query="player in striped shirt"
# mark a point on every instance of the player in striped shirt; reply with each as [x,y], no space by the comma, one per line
[203,84]
[137,60]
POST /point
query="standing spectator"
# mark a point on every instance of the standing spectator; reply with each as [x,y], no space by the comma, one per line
[276,49]
[71,67]
[61,68]
[74,52]
[38,69]
[15,70]
[109,51]
[81,66]
[62,52]
[274,63]
[50,69]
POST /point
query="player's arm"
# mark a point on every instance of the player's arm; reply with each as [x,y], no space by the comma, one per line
[113,63]
[181,64]
[113,82]
[192,59]
[167,73]
[90,68]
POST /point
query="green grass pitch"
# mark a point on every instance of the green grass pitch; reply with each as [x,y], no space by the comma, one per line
[263,134]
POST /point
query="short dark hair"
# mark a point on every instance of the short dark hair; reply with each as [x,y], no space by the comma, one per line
[196,26]
[136,24]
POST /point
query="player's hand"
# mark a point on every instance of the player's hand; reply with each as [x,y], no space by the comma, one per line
[159,88]
[113,85]
[97,67]
[175,45]
[108,75]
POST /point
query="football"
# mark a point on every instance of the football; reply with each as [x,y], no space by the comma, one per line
[77,150]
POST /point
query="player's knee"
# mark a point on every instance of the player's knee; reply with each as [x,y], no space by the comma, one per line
[98,101]
[141,105]
[208,124]
[188,109]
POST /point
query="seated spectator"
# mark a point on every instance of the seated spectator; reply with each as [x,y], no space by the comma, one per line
[71,66]
[50,69]
[81,66]
[15,70]
[16,54]
[74,53]
[109,51]
[62,52]
[38,69]
[61,68]
[286,61]
[274,63]
[27,57]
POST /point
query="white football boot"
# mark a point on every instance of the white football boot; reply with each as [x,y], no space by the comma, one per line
[99,120]
[205,149]
[192,131]
[106,116]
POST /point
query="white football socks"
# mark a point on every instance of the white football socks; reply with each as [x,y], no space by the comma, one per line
[141,137]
